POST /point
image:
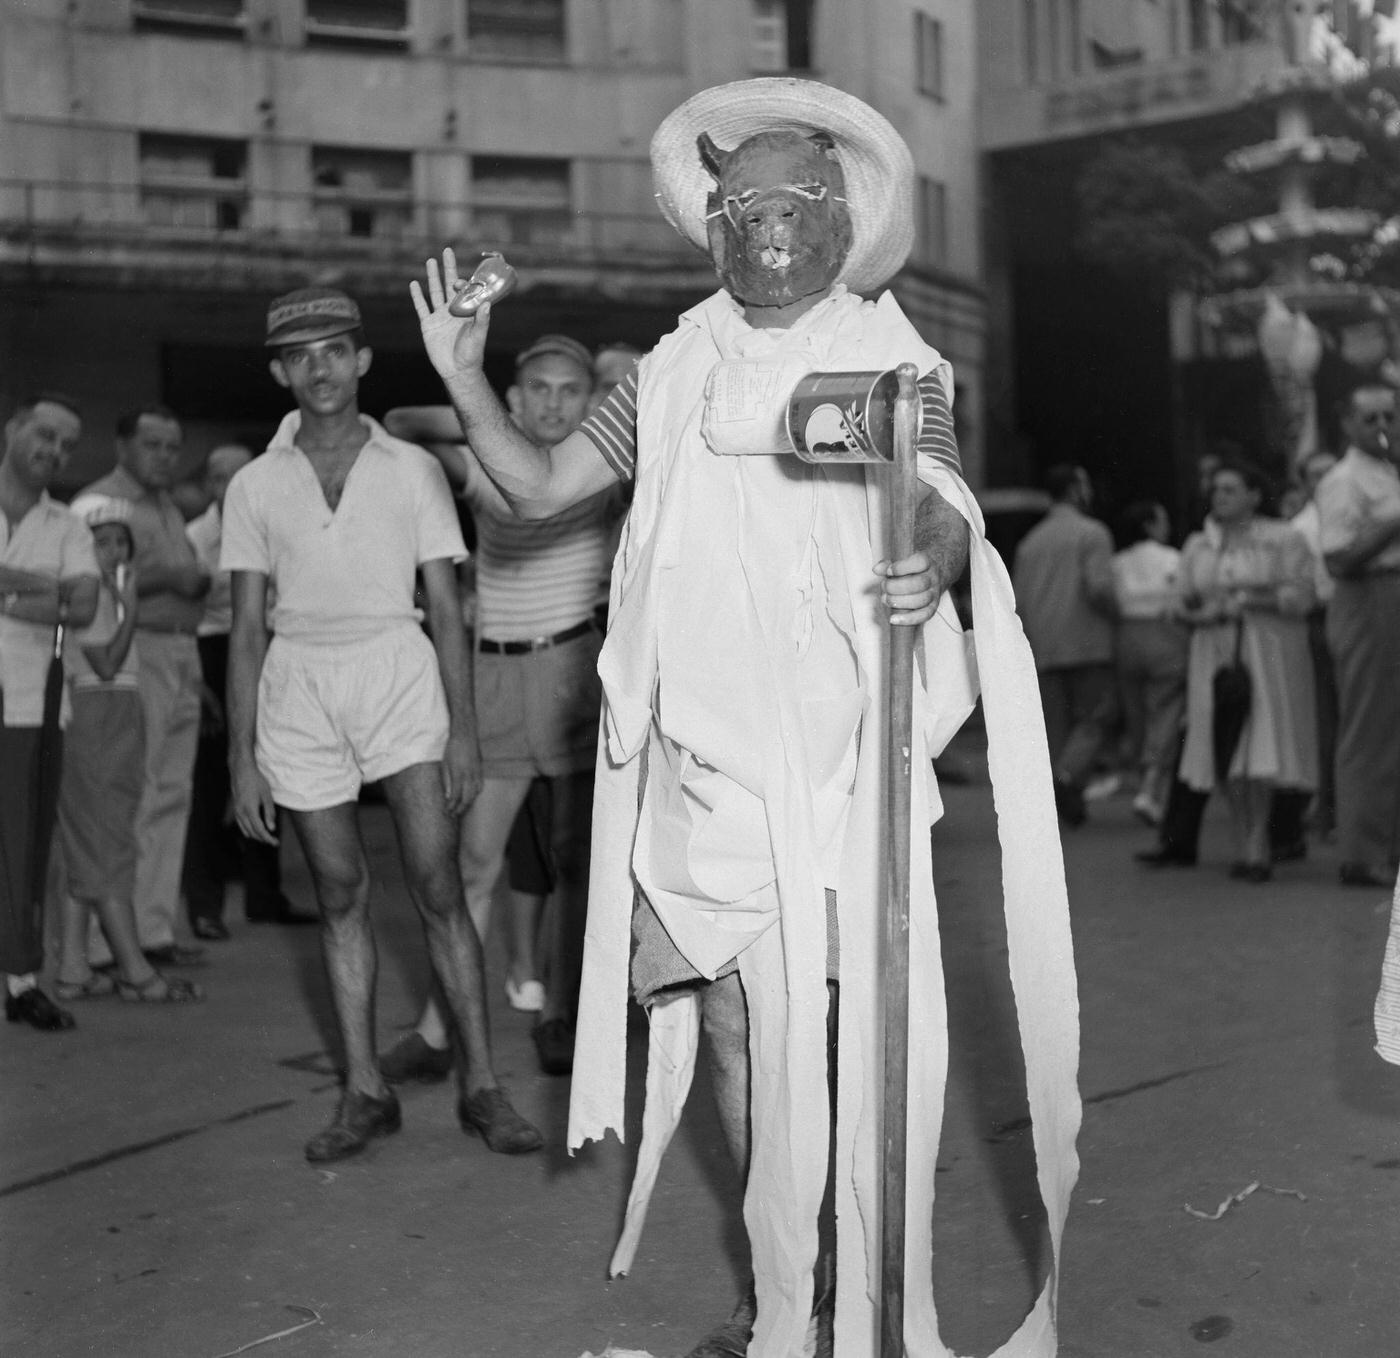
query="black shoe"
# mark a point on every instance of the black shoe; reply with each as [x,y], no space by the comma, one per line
[1358,874]
[411,1058]
[1164,857]
[1069,802]
[174,955]
[488,1114]
[1292,852]
[359,1118]
[35,1008]
[210,930]
[730,1340]
[554,1042]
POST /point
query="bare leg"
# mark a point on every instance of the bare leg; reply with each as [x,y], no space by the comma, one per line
[724,1018]
[567,917]
[428,842]
[118,922]
[480,851]
[526,912]
[330,839]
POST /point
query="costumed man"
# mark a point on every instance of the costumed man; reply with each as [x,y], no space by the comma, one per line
[737,825]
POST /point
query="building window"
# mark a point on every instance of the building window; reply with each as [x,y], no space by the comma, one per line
[357,23]
[362,193]
[1241,21]
[1198,24]
[516,30]
[521,200]
[781,35]
[193,182]
[928,54]
[1030,47]
[211,18]
[931,223]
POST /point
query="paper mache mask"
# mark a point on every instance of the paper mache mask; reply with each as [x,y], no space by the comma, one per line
[778,226]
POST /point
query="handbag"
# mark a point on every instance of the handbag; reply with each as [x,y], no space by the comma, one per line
[1232,694]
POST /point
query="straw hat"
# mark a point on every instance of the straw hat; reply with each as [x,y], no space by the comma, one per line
[878,167]
[96,510]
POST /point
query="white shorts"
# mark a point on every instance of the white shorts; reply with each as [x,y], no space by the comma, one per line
[331,718]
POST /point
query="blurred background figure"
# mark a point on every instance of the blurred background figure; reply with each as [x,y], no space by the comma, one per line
[1358,504]
[612,363]
[171,585]
[1063,577]
[102,774]
[48,574]
[214,848]
[1151,651]
[1246,589]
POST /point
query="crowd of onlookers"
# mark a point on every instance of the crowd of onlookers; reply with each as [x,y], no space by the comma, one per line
[1261,659]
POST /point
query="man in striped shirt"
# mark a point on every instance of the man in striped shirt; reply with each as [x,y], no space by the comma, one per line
[537,694]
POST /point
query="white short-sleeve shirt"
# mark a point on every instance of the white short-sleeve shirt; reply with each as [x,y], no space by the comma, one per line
[343,575]
[1351,497]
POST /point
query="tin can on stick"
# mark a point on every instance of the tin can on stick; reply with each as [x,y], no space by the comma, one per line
[844,417]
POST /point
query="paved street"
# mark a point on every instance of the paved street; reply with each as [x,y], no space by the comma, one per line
[155,1200]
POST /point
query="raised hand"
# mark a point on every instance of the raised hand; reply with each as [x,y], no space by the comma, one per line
[454,343]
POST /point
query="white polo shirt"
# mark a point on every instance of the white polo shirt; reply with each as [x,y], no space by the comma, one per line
[344,575]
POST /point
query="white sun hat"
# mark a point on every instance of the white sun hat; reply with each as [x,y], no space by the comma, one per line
[876,162]
[96,510]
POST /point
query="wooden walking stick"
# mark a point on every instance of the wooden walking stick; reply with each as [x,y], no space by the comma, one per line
[845,417]
[903,489]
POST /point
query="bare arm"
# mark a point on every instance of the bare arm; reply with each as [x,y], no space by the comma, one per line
[537,482]
[1370,540]
[461,762]
[40,604]
[913,586]
[253,806]
[108,658]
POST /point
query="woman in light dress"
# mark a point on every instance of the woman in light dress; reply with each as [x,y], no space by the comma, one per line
[1247,580]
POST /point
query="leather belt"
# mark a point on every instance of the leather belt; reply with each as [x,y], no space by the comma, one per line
[490,647]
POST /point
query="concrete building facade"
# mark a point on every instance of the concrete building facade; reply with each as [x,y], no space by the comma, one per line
[168,165]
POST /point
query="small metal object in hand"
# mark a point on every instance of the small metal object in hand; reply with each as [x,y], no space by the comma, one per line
[492,280]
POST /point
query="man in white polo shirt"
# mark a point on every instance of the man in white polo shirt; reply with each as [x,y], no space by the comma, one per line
[336,516]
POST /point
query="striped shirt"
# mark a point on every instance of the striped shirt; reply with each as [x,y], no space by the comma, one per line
[535,579]
[613,426]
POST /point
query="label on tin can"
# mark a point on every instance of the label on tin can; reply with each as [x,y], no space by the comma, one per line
[843,417]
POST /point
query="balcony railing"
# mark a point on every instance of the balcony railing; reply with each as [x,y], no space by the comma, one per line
[48,219]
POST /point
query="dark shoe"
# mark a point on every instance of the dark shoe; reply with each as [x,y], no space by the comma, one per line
[1258,873]
[1069,802]
[359,1118]
[730,1340]
[174,955]
[1292,852]
[412,1059]
[1239,870]
[279,910]
[488,1114]
[160,989]
[1358,874]
[35,1008]
[210,930]
[554,1042]
[1163,857]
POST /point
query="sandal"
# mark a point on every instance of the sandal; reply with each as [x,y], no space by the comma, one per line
[97,986]
[159,989]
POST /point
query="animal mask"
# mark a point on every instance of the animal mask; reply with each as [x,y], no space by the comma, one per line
[778,225]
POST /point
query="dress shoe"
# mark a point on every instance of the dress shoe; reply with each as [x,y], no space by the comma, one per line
[209,930]
[35,1008]
[359,1119]
[730,1340]
[554,1043]
[412,1059]
[488,1114]
[1164,857]
[1069,802]
[1251,872]
[1292,852]
[1358,874]
[174,955]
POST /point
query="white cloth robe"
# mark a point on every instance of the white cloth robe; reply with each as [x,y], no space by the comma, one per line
[784,966]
